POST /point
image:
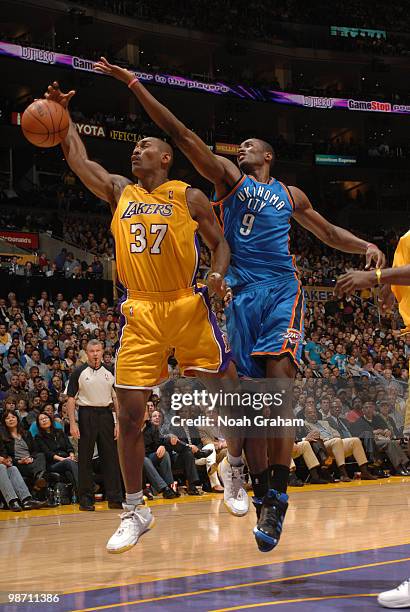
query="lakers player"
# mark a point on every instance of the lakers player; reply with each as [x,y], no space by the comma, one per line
[395,283]
[155,224]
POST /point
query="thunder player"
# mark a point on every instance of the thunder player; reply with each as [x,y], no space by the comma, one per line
[395,283]
[155,222]
[265,317]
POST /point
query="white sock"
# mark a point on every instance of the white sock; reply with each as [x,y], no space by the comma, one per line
[134,499]
[235,461]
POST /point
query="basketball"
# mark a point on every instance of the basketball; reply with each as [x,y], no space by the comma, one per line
[45,123]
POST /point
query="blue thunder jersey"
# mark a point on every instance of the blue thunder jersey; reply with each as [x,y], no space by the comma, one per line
[256,221]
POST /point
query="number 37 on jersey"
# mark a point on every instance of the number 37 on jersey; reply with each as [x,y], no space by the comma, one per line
[143,238]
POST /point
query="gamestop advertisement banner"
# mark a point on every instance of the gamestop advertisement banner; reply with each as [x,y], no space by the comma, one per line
[25,240]
[238,91]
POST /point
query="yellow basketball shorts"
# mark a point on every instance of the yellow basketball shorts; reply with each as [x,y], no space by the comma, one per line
[153,324]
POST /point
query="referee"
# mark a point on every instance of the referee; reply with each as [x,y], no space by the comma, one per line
[91,386]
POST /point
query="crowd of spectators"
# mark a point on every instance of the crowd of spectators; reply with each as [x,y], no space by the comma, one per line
[354,380]
[65,265]
[211,15]
[264,20]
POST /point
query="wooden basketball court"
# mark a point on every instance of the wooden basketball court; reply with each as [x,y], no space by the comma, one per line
[342,544]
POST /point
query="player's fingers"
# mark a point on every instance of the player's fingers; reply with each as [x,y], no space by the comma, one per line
[341,286]
[228,297]
[70,94]
[341,278]
[381,260]
[56,85]
[105,61]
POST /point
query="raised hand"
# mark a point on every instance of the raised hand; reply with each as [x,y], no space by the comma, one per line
[374,254]
[228,297]
[55,94]
[387,298]
[216,284]
[353,280]
[121,74]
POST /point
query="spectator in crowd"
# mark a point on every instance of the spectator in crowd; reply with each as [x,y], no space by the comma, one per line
[5,339]
[12,486]
[70,265]
[97,267]
[313,351]
[22,411]
[370,424]
[337,446]
[15,391]
[21,448]
[47,409]
[384,414]
[303,449]
[57,449]
[339,359]
[186,443]
[157,461]
[61,258]
[356,412]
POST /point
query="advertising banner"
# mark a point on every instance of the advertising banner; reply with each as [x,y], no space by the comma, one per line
[335,160]
[216,88]
[355,32]
[319,294]
[225,148]
[24,240]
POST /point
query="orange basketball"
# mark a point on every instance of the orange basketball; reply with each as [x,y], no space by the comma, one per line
[45,123]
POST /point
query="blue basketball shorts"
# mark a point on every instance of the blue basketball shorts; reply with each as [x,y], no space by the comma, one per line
[266,321]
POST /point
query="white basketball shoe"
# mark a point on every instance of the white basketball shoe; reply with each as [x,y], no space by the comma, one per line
[396,598]
[134,522]
[236,498]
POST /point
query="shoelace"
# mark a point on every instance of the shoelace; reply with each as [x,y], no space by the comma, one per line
[237,473]
[273,516]
[407,581]
[126,516]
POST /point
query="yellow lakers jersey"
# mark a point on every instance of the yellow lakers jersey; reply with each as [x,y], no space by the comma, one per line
[156,245]
[402,293]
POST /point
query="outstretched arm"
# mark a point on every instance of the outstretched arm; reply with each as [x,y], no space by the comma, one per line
[101,183]
[212,235]
[219,170]
[332,235]
[347,283]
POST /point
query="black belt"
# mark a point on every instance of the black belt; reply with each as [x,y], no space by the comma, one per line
[97,407]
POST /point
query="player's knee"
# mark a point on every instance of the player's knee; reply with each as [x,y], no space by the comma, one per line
[130,421]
